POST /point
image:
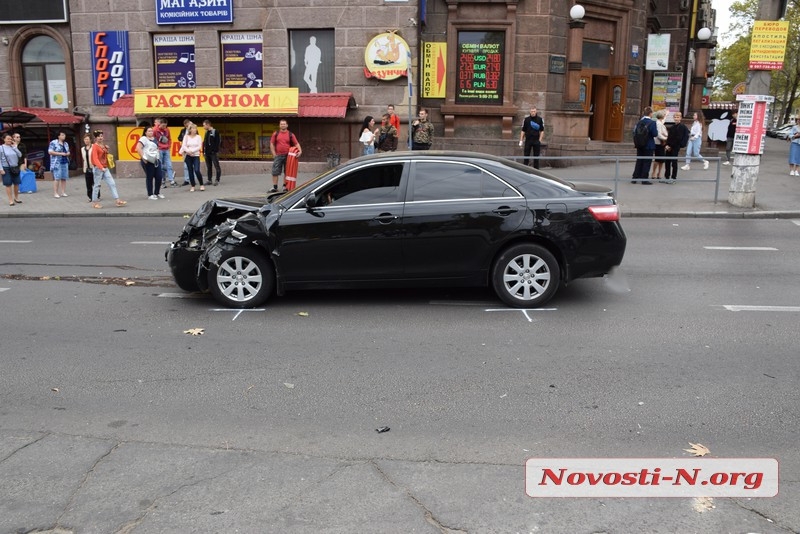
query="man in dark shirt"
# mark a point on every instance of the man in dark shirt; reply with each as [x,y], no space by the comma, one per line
[531,137]
[211,144]
[641,171]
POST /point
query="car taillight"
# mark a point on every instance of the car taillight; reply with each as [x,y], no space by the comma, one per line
[607,213]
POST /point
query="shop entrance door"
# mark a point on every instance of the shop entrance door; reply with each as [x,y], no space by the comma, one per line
[606,101]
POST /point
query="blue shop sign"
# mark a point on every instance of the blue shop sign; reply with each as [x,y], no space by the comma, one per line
[194,11]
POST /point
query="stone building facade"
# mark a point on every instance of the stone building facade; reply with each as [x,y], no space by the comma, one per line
[587,77]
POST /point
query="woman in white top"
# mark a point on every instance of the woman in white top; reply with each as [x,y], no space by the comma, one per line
[88,171]
[695,140]
[368,135]
[147,147]
[191,147]
[661,141]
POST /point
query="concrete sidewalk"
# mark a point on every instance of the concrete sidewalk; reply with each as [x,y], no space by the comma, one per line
[777,193]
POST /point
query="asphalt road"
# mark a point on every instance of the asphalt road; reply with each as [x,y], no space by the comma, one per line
[112,419]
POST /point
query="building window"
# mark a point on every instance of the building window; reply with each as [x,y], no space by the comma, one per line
[312,60]
[175,65]
[44,74]
[596,55]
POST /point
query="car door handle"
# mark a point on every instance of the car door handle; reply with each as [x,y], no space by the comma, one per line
[385,218]
[504,210]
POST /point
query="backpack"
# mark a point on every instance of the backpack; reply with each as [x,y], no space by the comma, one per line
[641,134]
[292,138]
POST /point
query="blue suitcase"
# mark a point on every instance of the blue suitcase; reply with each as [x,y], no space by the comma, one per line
[28,182]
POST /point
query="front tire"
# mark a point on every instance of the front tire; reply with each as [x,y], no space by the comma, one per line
[243,279]
[526,276]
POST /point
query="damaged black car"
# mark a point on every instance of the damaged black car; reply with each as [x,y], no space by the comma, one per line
[404,219]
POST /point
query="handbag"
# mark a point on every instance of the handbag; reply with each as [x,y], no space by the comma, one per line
[13,170]
[110,159]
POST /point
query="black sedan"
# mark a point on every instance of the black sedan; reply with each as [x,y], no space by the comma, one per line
[404,219]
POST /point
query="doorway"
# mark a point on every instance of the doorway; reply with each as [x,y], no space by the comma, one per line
[602,94]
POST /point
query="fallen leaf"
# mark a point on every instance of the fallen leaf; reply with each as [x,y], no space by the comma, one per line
[129,283]
[54,389]
[302,314]
[288,385]
[195,331]
[703,504]
[698,449]
[45,278]
[186,216]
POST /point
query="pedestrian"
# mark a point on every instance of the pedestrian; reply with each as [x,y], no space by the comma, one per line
[17,138]
[422,132]
[99,157]
[695,141]
[677,138]
[394,119]
[729,138]
[10,160]
[644,135]
[794,149]
[88,171]
[147,148]
[279,144]
[191,146]
[211,143]
[181,135]
[660,140]
[59,163]
[387,135]
[161,131]
[531,137]
[368,135]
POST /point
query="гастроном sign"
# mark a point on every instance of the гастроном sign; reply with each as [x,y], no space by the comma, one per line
[194,11]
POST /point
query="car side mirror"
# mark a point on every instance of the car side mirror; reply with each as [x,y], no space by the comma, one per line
[310,201]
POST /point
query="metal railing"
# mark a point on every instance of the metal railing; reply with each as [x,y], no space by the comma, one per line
[626,158]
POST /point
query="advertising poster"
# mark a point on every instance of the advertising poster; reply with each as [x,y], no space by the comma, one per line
[434,70]
[657,51]
[242,60]
[128,136]
[57,90]
[386,57]
[194,11]
[667,91]
[768,45]
[175,67]
[110,66]
[480,68]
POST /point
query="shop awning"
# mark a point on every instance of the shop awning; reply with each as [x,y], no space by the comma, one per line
[325,105]
[310,105]
[39,115]
[122,107]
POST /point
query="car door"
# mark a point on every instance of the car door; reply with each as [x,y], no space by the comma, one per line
[455,217]
[352,234]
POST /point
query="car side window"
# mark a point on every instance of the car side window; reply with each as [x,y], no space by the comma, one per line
[375,184]
[441,180]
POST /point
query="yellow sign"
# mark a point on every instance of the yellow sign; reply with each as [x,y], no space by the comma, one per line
[128,137]
[264,101]
[434,70]
[386,57]
[768,45]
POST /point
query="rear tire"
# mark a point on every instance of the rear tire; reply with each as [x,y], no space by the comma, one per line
[243,279]
[526,276]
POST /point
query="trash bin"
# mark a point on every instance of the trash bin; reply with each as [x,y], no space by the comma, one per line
[333,159]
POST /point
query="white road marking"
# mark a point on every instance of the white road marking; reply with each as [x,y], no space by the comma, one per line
[737,307]
[523,310]
[4,289]
[150,242]
[183,295]
[741,248]
[12,241]
[238,312]
[796,221]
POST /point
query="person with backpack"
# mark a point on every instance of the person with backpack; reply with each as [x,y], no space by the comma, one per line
[677,138]
[386,135]
[644,134]
[279,144]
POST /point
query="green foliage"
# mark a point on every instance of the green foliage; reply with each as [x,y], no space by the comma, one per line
[731,67]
